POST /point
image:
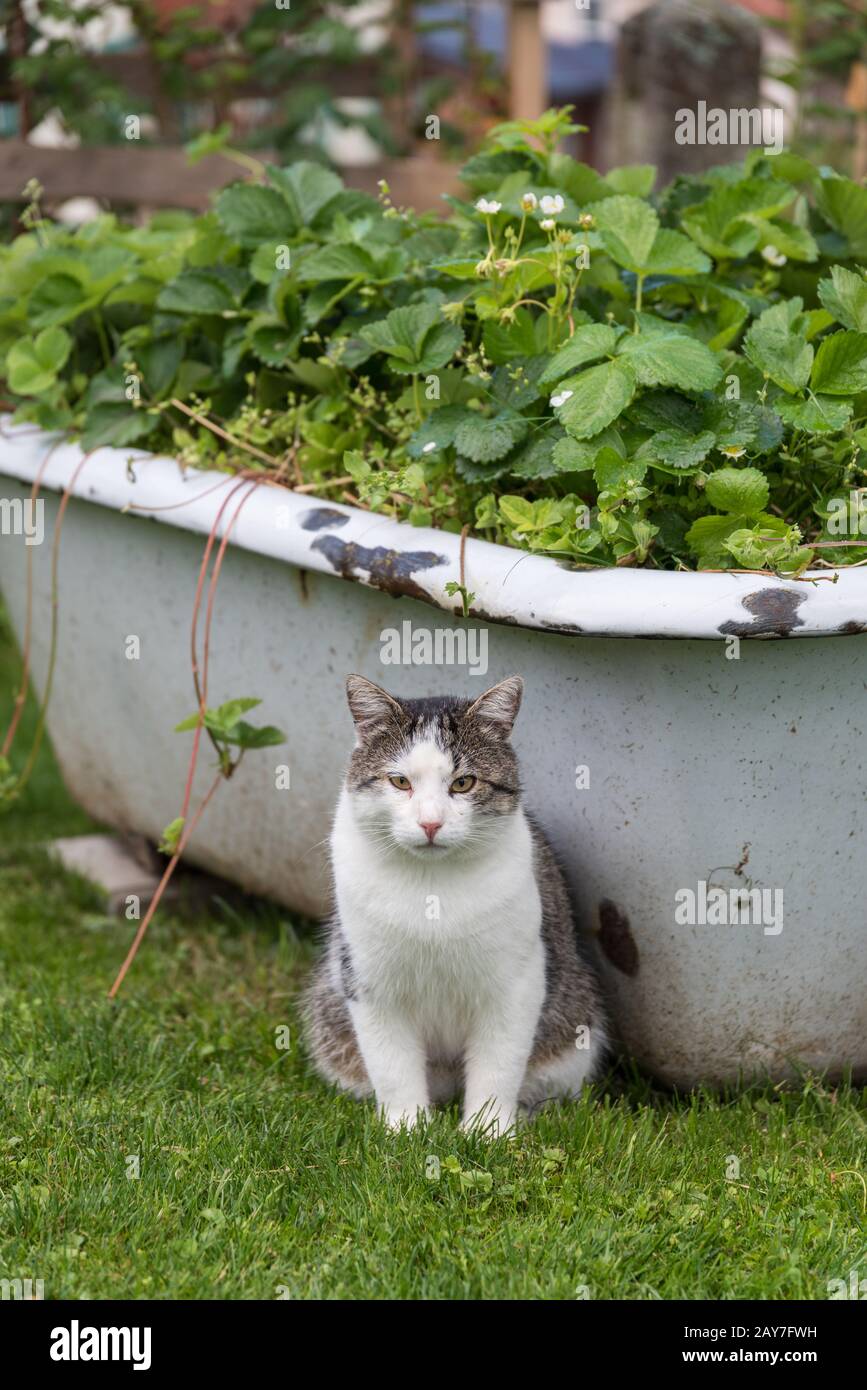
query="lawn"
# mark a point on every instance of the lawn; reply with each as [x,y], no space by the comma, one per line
[255,1181]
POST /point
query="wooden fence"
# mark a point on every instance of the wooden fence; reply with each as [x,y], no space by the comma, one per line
[160,176]
[151,176]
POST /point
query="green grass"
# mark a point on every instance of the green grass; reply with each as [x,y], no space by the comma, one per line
[256,1181]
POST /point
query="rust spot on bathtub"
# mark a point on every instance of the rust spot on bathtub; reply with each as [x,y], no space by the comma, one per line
[616,939]
[775,614]
[319,517]
[389,570]
[483,617]
[568,629]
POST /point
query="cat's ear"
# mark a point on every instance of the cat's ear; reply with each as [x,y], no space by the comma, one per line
[371,706]
[499,706]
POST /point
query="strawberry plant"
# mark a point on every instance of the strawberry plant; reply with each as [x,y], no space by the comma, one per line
[567,363]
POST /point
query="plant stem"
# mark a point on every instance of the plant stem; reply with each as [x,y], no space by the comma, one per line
[163,884]
[215,429]
[103,340]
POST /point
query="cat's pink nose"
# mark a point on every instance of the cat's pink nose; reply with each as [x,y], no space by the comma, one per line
[430,828]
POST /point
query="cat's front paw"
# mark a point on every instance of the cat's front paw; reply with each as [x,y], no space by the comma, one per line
[490,1121]
[408,1117]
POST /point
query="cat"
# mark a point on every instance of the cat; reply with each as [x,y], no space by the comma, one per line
[451,958]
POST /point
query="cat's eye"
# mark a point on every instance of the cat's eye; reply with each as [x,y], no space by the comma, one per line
[402,783]
[463,784]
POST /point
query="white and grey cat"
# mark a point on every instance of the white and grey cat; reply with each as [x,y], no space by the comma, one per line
[452,962]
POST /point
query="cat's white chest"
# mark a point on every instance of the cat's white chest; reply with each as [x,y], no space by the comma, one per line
[439,942]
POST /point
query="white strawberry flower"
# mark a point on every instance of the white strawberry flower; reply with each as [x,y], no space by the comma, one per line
[529,201]
[773,256]
[547,224]
[430,447]
[552,205]
[560,398]
[488,207]
[732,451]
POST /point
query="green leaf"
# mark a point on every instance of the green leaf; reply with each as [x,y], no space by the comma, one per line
[486,473]
[458,267]
[677,360]
[794,242]
[534,459]
[52,347]
[243,735]
[663,410]
[518,512]
[307,188]
[579,455]
[32,364]
[8,781]
[266,263]
[596,398]
[778,349]
[767,543]
[440,346]
[171,837]
[678,449]
[742,424]
[614,474]
[721,224]
[59,299]
[844,204]
[321,377]
[227,726]
[337,263]
[209,142]
[439,429]
[485,171]
[116,423]
[845,297]
[196,292]
[583,184]
[272,341]
[159,362]
[818,415]
[840,368]
[415,337]
[402,332]
[672,253]
[516,383]
[628,227]
[707,536]
[486,440]
[744,491]
[586,344]
[573,455]
[506,341]
[230,711]
[635,179]
[250,214]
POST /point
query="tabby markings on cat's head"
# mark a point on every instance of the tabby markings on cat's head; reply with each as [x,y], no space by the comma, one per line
[430,776]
